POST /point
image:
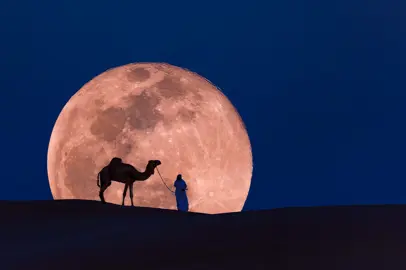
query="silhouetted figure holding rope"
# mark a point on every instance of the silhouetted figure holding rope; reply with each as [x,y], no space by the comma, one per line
[180,193]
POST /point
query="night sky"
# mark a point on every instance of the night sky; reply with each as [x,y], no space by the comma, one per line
[319,84]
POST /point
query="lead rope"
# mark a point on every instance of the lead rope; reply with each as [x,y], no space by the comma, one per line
[163,181]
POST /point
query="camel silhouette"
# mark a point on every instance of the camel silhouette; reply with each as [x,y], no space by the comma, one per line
[123,173]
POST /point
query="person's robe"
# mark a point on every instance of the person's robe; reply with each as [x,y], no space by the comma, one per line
[181,196]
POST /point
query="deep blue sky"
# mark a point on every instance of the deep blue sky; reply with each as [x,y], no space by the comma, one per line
[319,84]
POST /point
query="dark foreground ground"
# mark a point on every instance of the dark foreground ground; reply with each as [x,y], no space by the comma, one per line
[88,235]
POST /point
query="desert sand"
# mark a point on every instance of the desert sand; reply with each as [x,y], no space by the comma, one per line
[74,234]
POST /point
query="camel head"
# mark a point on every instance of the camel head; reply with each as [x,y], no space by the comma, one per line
[152,164]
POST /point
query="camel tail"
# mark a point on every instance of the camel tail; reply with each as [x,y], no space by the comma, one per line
[98,179]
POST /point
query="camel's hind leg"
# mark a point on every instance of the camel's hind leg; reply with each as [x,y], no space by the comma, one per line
[103,188]
[124,193]
[131,194]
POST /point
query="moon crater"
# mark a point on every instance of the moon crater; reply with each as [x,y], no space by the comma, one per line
[137,75]
[171,88]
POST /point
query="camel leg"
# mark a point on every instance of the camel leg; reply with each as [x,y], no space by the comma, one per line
[124,193]
[131,194]
[101,192]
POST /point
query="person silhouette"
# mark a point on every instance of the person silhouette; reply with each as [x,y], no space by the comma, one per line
[180,193]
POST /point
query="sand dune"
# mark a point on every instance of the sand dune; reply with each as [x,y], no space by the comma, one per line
[75,234]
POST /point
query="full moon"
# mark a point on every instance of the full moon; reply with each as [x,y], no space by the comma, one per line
[146,111]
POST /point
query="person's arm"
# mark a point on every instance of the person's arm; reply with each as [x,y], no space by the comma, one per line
[185,186]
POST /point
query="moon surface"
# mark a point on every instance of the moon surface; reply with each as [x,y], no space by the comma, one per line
[145,111]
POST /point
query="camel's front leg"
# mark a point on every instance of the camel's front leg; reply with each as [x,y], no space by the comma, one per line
[131,194]
[102,189]
[124,193]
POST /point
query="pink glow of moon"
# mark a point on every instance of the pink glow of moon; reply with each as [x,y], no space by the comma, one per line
[146,111]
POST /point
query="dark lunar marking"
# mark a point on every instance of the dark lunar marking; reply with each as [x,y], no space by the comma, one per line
[137,75]
[171,87]
[187,115]
[142,111]
[99,102]
[109,124]
[80,173]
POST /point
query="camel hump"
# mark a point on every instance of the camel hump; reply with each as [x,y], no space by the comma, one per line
[115,161]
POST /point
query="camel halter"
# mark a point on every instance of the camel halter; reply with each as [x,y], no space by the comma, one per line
[163,181]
